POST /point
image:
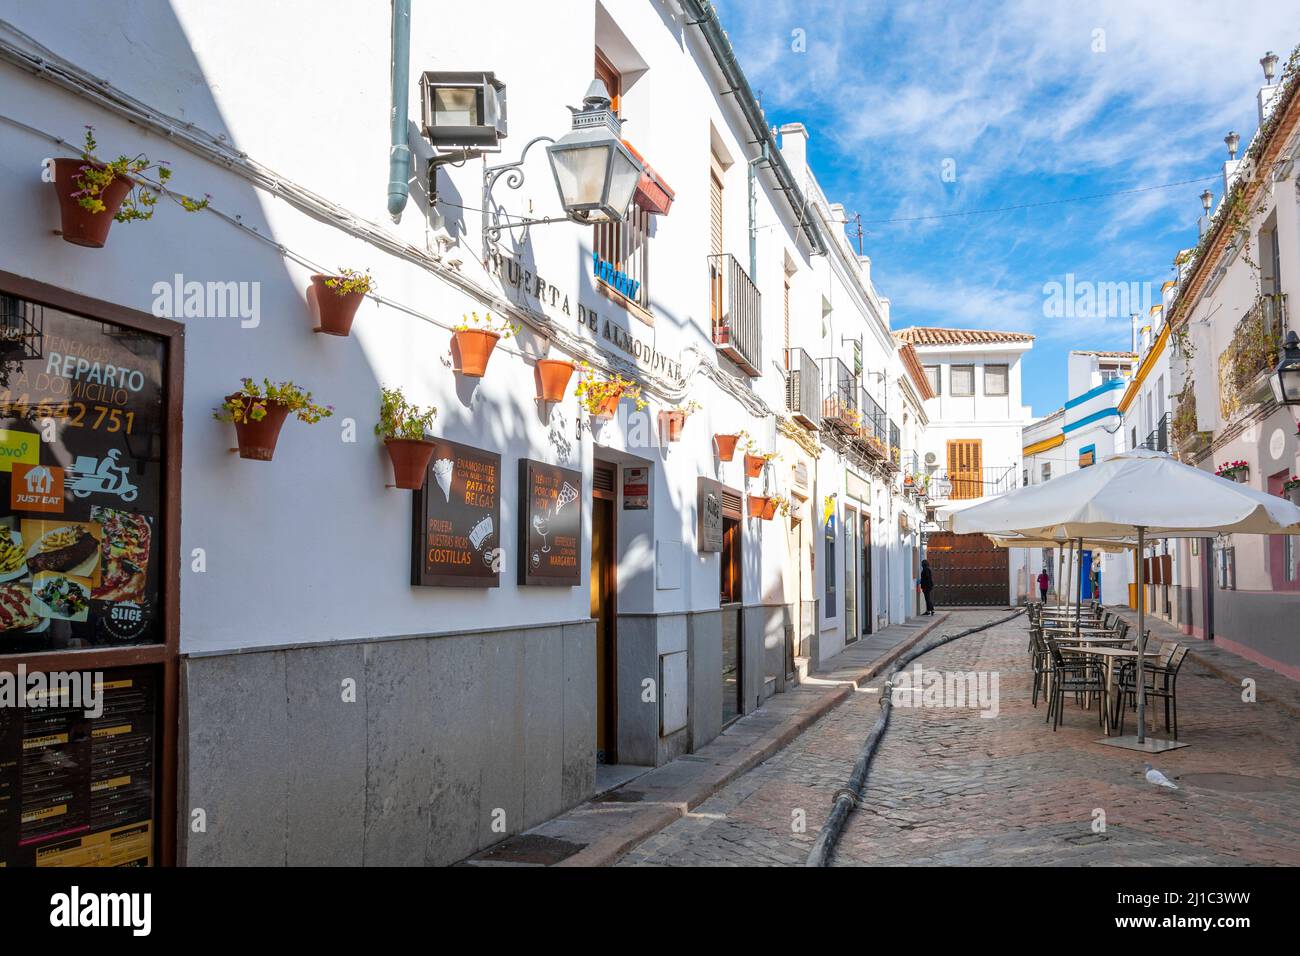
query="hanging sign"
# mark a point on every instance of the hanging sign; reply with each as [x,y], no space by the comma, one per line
[636,489]
[457,519]
[550,524]
[710,508]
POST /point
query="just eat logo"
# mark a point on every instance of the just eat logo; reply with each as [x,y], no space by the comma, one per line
[36,488]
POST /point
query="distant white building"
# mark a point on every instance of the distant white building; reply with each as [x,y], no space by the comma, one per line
[972,444]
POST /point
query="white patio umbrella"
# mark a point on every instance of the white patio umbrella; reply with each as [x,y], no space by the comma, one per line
[1143,493]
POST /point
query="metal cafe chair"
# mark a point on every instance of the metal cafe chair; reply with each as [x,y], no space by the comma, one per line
[1080,675]
[1161,678]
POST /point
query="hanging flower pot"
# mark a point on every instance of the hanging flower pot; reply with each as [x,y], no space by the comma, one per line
[726,446]
[410,461]
[1292,488]
[754,465]
[402,426]
[475,338]
[553,379]
[671,425]
[607,407]
[258,413]
[600,396]
[758,507]
[94,194]
[257,439]
[337,299]
[82,226]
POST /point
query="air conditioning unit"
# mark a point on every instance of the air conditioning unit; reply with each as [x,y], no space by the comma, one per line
[930,458]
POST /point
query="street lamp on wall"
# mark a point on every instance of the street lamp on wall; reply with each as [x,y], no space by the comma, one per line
[1285,379]
[595,174]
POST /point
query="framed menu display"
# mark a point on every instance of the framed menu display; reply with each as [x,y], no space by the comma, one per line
[77,784]
[82,428]
[550,524]
[457,519]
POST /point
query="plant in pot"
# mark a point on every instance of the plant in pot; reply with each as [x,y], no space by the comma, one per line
[673,420]
[475,338]
[338,297]
[95,193]
[402,426]
[600,396]
[553,379]
[756,459]
[258,412]
[1237,471]
[1292,488]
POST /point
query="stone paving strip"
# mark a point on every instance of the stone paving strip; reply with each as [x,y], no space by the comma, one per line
[951,787]
[600,831]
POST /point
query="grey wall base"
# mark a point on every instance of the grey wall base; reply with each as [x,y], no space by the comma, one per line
[452,743]
[1261,621]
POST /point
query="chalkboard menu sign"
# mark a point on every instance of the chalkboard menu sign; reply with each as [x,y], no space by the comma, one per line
[550,524]
[82,428]
[457,532]
[77,769]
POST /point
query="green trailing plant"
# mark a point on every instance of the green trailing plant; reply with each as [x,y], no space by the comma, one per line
[96,175]
[350,280]
[754,450]
[249,403]
[594,391]
[782,504]
[1291,484]
[398,418]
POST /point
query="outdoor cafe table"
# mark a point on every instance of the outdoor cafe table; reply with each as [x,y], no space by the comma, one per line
[1110,654]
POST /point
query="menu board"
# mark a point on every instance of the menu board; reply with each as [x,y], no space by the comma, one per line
[550,524]
[78,789]
[82,428]
[457,525]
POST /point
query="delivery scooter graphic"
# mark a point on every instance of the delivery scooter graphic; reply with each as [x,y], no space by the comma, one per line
[90,475]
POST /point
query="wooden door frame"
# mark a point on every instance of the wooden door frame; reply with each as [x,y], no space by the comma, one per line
[165,655]
[610,590]
[864,541]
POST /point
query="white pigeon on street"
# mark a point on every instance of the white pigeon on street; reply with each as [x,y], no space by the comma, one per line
[1158,778]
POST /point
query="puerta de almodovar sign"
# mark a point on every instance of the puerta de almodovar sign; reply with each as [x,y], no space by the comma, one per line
[457,528]
[550,524]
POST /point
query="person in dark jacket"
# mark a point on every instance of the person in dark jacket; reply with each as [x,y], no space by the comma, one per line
[1044,582]
[927,585]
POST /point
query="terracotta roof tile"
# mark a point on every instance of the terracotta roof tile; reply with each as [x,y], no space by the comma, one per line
[922,335]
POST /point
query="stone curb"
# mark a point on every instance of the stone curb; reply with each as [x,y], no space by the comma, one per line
[608,850]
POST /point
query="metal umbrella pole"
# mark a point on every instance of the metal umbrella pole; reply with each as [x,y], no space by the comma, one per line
[1142,638]
[1078,591]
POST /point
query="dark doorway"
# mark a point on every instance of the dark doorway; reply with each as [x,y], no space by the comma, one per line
[604,606]
[868,613]
[731,597]
[969,570]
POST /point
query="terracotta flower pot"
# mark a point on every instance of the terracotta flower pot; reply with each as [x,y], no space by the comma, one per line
[475,348]
[754,465]
[671,424]
[608,408]
[81,227]
[769,510]
[257,439]
[758,505]
[726,446]
[553,379]
[410,461]
[336,311]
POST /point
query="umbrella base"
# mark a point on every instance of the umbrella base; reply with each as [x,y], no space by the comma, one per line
[1152,745]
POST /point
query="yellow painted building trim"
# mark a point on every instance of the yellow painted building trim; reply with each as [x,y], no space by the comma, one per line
[1135,384]
[1044,445]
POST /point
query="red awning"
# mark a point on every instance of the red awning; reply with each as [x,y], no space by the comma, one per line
[652,194]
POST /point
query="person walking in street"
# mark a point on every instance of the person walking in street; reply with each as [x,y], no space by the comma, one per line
[1044,582]
[927,585]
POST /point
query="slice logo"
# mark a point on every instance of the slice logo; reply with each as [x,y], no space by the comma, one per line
[36,488]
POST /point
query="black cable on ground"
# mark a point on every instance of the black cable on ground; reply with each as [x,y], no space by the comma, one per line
[850,795]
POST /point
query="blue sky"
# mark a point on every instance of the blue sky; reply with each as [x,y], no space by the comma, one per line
[1028,103]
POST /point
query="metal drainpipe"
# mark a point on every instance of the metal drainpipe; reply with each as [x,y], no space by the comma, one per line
[752,166]
[399,153]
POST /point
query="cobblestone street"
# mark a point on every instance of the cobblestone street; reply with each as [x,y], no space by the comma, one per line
[951,787]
